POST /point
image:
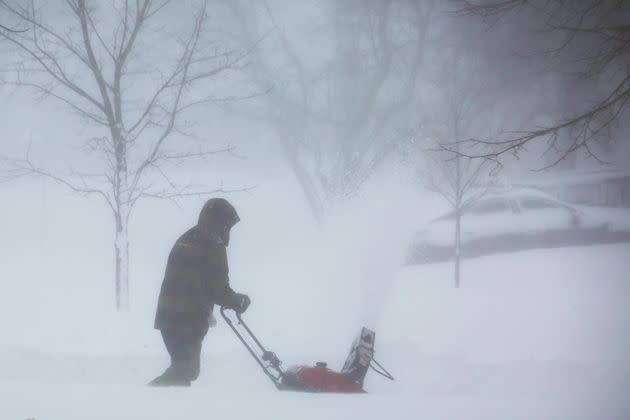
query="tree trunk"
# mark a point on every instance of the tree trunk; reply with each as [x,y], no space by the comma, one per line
[43,230]
[121,241]
[121,246]
[458,218]
[459,197]
[122,211]
[310,193]
[305,181]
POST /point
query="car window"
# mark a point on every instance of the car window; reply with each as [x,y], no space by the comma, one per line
[490,206]
[535,203]
[448,216]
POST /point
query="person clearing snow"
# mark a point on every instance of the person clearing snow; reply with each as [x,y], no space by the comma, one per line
[196,279]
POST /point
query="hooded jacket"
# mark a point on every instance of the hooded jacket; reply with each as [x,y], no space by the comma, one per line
[196,276]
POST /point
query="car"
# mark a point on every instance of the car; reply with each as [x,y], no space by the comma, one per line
[518,220]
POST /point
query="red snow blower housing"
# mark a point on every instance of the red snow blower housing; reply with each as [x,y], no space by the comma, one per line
[316,378]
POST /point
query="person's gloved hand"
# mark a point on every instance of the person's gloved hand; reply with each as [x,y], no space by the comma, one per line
[241,303]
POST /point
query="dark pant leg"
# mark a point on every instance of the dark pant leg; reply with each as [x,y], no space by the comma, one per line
[184,347]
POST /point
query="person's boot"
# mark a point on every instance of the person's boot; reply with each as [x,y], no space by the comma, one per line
[171,377]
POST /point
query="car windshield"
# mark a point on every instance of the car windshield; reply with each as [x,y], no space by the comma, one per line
[490,206]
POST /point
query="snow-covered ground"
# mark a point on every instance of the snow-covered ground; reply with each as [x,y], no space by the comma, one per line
[534,335]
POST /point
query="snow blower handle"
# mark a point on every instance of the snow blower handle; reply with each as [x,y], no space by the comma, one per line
[261,354]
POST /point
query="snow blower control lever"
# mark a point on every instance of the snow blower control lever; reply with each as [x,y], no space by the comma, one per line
[316,378]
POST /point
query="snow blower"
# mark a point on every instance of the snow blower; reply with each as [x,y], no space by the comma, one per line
[316,378]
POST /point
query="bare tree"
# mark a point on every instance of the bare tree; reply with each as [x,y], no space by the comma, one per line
[589,40]
[460,180]
[337,119]
[102,66]
[4,28]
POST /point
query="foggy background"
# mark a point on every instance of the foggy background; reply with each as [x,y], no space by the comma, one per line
[341,126]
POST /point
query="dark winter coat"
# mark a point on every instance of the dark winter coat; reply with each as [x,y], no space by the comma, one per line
[196,279]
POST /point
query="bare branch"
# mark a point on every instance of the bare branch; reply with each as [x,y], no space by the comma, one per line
[21,168]
[50,65]
[4,28]
[185,60]
[49,92]
[189,191]
[612,106]
[465,7]
[82,13]
[594,41]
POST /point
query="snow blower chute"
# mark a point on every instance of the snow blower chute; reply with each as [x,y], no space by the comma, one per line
[316,378]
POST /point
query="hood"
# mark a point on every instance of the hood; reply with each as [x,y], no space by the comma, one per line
[216,219]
